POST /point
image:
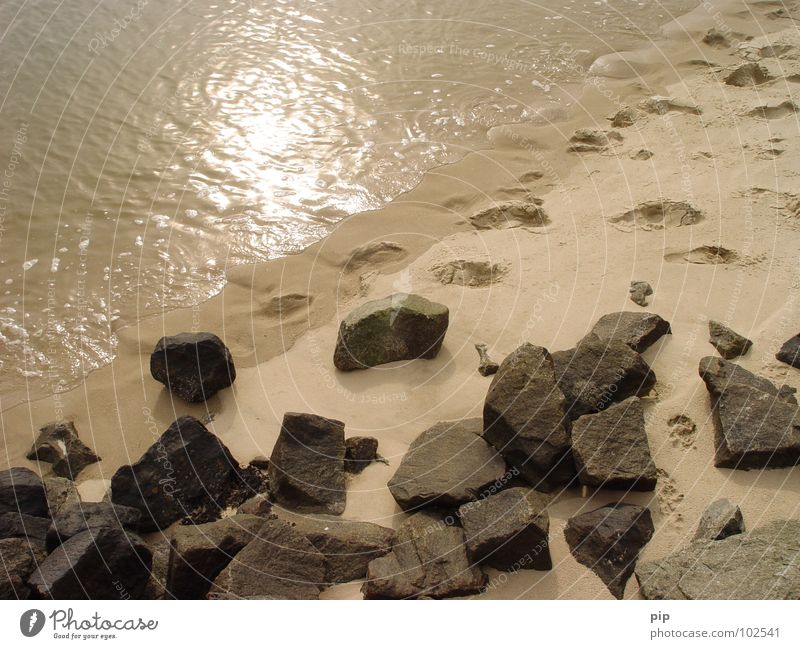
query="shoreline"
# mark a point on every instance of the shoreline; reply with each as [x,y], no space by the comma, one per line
[280,318]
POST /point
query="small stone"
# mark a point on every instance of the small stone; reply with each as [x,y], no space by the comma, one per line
[193,366]
[399,327]
[608,541]
[611,449]
[727,342]
[790,352]
[641,154]
[258,505]
[721,519]
[487,366]
[359,453]
[306,470]
[260,462]
[637,329]
[59,445]
[448,464]
[639,292]
[509,530]
[625,117]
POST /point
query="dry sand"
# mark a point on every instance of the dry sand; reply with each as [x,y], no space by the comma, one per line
[737,162]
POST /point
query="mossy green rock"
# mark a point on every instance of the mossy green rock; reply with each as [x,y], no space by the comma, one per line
[397,328]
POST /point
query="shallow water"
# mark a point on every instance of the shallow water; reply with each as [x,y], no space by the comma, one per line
[145,146]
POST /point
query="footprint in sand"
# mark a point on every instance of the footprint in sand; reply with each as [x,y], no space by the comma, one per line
[682,431]
[703,255]
[657,215]
[664,105]
[784,109]
[668,496]
[474,274]
[586,140]
[376,252]
[282,306]
[749,74]
[510,214]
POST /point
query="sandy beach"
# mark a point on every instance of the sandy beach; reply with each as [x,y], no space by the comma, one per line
[728,152]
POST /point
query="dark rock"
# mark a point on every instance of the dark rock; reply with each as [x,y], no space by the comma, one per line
[429,560]
[509,530]
[258,505]
[348,546]
[610,448]
[755,430]
[306,470]
[763,564]
[193,366]
[721,519]
[156,587]
[22,491]
[523,418]
[14,524]
[74,519]
[59,445]
[18,558]
[789,353]
[625,117]
[719,374]
[104,563]
[749,74]
[359,453]
[727,342]
[188,473]
[60,492]
[198,553]
[597,373]
[487,366]
[640,291]
[637,329]
[280,563]
[260,462]
[608,541]
[397,328]
[448,464]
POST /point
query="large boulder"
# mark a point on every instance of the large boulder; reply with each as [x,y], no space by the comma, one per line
[610,448]
[22,491]
[637,329]
[397,328]
[280,563]
[721,519]
[598,372]
[718,374]
[789,352]
[523,418]
[74,519]
[726,341]
[306,469]
[18,558]
[188,473]
[33,528]
[755,430]
[348,546]
[429,560]
[104,563]
[762,564]
[193,366]
[448,464]
[608,541]
[58,444]
[509,530]
[198,553]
